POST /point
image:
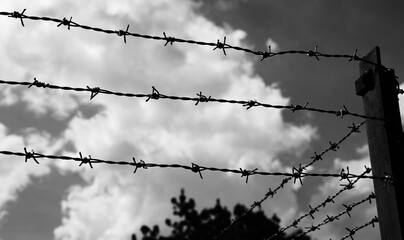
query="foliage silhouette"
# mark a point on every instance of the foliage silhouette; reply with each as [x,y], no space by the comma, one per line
[194,225]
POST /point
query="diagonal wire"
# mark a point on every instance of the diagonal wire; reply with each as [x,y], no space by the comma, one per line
[297,174]
[200,98]
[170,40]
[348,209]
[329,199]
[354,230]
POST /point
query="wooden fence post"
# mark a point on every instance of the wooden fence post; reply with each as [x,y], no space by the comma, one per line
[379,88]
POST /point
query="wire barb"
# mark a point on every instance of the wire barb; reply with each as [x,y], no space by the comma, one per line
[328,200]
[37,83]
[123,33]
[314,53]
[312,211]
[334,146]
[221,45]
[246,173]
[85,160]
[355,57]
[250,104]
[94,91]
[317,157]
[270,193]
[196,169]
[267,54]
[66,22]
[29,155]
[202,98]
[313,228]
[297,174]
[141,164]
[344,175]
[343,112]
[154,95]
[16,14]
[354,128]
[169,40]
[348,209]
[298,107]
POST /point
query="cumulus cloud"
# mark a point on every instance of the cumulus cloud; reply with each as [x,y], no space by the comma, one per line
[115,203]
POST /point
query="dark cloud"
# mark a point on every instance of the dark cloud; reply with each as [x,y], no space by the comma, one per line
[41,200]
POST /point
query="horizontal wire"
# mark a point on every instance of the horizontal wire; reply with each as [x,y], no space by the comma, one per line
[194,167]
[251,103]
[156,95]
[170,40]
[329,199]
[348,209]
[297,175]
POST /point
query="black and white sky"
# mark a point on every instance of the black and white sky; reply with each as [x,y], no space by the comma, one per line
[60,200]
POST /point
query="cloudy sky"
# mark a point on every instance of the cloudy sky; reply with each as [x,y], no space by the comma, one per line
[60,200]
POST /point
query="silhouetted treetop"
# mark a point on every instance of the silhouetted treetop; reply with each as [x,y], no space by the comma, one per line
[208,223]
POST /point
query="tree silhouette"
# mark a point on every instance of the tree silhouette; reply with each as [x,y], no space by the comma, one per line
[207,224]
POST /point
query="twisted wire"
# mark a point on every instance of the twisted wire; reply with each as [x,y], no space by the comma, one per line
[200,98]
[329,219]
[297,175]
[193,168]
[354,230]
[222,45]
[329,199]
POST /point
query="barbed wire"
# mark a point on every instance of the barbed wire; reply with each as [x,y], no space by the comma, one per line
[297,175]
[354,230]
[348,209]
[156,95]
[330,199]
[195,168]
[221,45]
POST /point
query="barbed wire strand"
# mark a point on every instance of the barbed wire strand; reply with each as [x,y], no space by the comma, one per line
[195,168]
[330,199]
[354,230]
[329,219]
[221,45]
[297,175]
[156,95]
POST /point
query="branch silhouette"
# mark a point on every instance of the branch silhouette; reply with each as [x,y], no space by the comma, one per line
[207,223]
